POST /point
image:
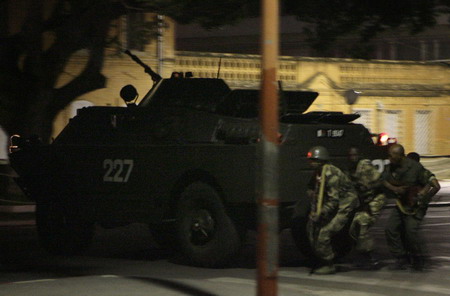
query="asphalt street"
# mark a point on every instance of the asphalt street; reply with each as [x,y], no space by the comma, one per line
[122,262]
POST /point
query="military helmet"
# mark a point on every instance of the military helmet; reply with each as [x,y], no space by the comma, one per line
[319,153]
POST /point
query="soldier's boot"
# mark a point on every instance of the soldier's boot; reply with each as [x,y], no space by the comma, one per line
[401,263]
[325,268]
[418,263]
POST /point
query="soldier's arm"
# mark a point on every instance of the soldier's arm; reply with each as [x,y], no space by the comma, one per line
[370,177]
[376,205]
[331,203]
[394,188]
[430,189]
[429,186]
[435,187]
[385,178]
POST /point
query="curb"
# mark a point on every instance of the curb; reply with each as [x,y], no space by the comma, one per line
[18,209]
[430,205]
[18,223]
[22,215]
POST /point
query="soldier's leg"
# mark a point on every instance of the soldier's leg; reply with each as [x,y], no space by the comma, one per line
[364,241]
[323,246]
[393,230]
[376,204]
[324,251]
[365,220]
[312,231]
[359,230]
[414,240]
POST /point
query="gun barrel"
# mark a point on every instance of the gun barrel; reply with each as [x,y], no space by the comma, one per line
[155,76]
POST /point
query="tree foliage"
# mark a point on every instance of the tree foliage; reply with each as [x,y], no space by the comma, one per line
[29,98]
[330,19]
[208,13]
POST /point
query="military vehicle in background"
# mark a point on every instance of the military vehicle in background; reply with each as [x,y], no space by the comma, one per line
[183,160]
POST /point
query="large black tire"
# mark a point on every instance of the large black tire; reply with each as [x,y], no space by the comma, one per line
[163,235]
[343,243]
[63,231]
[300,237]
[206,236]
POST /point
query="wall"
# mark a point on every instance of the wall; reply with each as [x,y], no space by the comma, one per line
[409,100]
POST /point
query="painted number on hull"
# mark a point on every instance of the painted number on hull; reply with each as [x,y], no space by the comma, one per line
[117,170]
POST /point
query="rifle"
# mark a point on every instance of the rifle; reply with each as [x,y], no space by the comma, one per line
[155,76]
[317,208]
[407,202]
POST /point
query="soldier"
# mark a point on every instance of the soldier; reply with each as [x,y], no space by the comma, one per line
[333,201]
[403,180]
[428,177]
[424,199]
[5,168]
[368,184]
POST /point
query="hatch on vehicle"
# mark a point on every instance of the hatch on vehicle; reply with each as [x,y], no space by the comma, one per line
[244,102]
[198,93]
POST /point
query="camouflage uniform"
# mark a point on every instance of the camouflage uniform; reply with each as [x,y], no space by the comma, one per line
[405,220]
[339,203]
[366,179]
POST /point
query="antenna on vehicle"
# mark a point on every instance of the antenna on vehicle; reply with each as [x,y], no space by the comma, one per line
[218,70]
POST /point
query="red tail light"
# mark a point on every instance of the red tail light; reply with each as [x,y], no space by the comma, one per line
[383,140]
[14,143]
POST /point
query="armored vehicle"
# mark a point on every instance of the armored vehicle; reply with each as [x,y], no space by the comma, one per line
[183,161]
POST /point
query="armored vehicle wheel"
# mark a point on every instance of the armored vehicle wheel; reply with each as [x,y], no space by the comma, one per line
[343,243]
[206,236]
[163,235]
[300,237]
[63,232]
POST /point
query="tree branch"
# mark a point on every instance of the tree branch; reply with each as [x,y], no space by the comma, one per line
[89,80]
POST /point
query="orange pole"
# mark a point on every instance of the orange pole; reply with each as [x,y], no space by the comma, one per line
[268,244]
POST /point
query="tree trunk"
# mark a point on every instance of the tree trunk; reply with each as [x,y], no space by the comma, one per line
[29,100]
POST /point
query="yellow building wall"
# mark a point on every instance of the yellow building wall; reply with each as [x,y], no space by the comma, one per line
[387,87]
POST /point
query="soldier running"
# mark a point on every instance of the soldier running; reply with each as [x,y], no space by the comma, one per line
[428,177]
[368,184]
[333,201]
[404,180]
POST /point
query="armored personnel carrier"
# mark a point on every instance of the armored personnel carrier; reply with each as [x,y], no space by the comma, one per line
[183,161]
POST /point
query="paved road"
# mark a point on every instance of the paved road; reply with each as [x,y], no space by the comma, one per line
[124,261]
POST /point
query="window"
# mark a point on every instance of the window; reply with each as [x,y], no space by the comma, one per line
[392,124]
[422,131]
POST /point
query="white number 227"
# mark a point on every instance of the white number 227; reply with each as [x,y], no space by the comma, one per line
[117,170]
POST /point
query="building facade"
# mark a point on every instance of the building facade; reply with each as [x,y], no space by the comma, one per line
[408,100]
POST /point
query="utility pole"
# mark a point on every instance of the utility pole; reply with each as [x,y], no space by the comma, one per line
[160,42]
[268,244]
